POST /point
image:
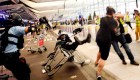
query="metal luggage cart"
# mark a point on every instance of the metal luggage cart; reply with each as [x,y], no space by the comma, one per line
[39,45]
[53,64]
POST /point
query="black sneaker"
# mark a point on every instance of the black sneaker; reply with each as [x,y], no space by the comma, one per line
[134,63]
[77,40]
[124,62]
[88,39]
[99,78]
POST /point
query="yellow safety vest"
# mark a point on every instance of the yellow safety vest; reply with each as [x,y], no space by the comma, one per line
[42,26]
[127,18]
[98,21]
[137,22]
[122,21]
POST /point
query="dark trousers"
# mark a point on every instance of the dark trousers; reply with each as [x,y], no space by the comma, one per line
[19,68]
[129,23]
[122,40]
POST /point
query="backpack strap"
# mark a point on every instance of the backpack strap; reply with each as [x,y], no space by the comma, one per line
[11,35]
[11,42]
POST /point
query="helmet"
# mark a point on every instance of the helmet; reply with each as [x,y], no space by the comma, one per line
[15,18]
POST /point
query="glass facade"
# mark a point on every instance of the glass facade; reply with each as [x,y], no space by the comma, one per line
[87,7]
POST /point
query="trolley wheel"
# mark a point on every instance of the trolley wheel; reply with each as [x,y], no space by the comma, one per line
[82,64]
[45,49]
[28,50]
[71,59]
[54,70]
[33,51]
[47,68]
[39,50]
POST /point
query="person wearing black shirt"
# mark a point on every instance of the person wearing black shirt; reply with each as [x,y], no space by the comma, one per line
[104,37]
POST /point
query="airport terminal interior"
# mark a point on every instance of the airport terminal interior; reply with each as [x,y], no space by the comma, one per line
[69,39]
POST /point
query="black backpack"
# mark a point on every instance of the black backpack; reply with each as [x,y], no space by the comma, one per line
[4,40]
[128,38]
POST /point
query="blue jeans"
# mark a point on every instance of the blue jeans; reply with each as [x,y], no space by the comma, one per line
[122,40]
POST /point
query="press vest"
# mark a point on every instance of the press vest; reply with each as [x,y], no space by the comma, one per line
[127,18]
[121,20]
[137,22]
[98,21]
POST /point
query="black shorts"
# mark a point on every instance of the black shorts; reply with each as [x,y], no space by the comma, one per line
[104,49]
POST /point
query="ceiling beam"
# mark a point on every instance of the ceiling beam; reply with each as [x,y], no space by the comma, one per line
[18,8]
[45,5]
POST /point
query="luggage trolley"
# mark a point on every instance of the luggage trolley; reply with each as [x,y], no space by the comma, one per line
[40,45]
[52,65]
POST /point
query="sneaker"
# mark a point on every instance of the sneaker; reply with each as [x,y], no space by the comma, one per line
[99,78]
[134,63]
[88,39]
[77,40]
[124,62]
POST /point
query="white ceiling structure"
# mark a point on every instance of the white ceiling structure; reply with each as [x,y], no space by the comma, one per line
[55,8]
[70,9]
